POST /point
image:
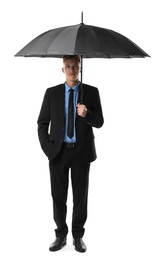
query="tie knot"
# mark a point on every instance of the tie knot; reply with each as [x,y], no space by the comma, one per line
[71,90]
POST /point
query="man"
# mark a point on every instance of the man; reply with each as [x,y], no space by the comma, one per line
[66,136]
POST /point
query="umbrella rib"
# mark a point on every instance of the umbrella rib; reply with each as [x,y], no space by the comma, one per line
[67,43]
[52,42]
[48,47]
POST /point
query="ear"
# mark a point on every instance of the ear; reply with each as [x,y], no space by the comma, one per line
[63,70]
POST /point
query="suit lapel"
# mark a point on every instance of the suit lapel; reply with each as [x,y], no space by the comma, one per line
[60,100]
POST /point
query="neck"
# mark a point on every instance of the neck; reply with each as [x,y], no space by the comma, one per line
[72,83]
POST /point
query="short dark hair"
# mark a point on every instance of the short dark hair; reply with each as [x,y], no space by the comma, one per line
[73,57]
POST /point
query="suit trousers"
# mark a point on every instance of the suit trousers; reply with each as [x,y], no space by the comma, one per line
[59,176]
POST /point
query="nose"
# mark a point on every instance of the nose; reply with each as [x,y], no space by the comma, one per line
[72,67]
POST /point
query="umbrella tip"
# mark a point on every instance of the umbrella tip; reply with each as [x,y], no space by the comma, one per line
[82,17]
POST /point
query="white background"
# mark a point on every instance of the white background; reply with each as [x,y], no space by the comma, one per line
[127,183]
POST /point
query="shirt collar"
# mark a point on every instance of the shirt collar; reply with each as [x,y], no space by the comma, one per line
[67,87]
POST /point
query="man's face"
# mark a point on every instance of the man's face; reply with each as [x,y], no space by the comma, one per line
[71,68]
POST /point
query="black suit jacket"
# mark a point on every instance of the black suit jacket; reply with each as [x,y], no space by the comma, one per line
[51,122]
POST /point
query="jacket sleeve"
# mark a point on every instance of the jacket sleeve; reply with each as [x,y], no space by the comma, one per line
[44,122]
[94,115]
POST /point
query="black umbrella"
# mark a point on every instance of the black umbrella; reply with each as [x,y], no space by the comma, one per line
[81,39]
[84,40]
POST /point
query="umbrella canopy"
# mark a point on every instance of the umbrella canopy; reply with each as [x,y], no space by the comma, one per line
[85,40]
[81,39]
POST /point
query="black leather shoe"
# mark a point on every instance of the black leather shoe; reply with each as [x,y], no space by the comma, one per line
[79,245]
[58,244]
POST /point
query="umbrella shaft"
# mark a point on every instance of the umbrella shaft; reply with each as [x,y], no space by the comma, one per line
[81,67]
